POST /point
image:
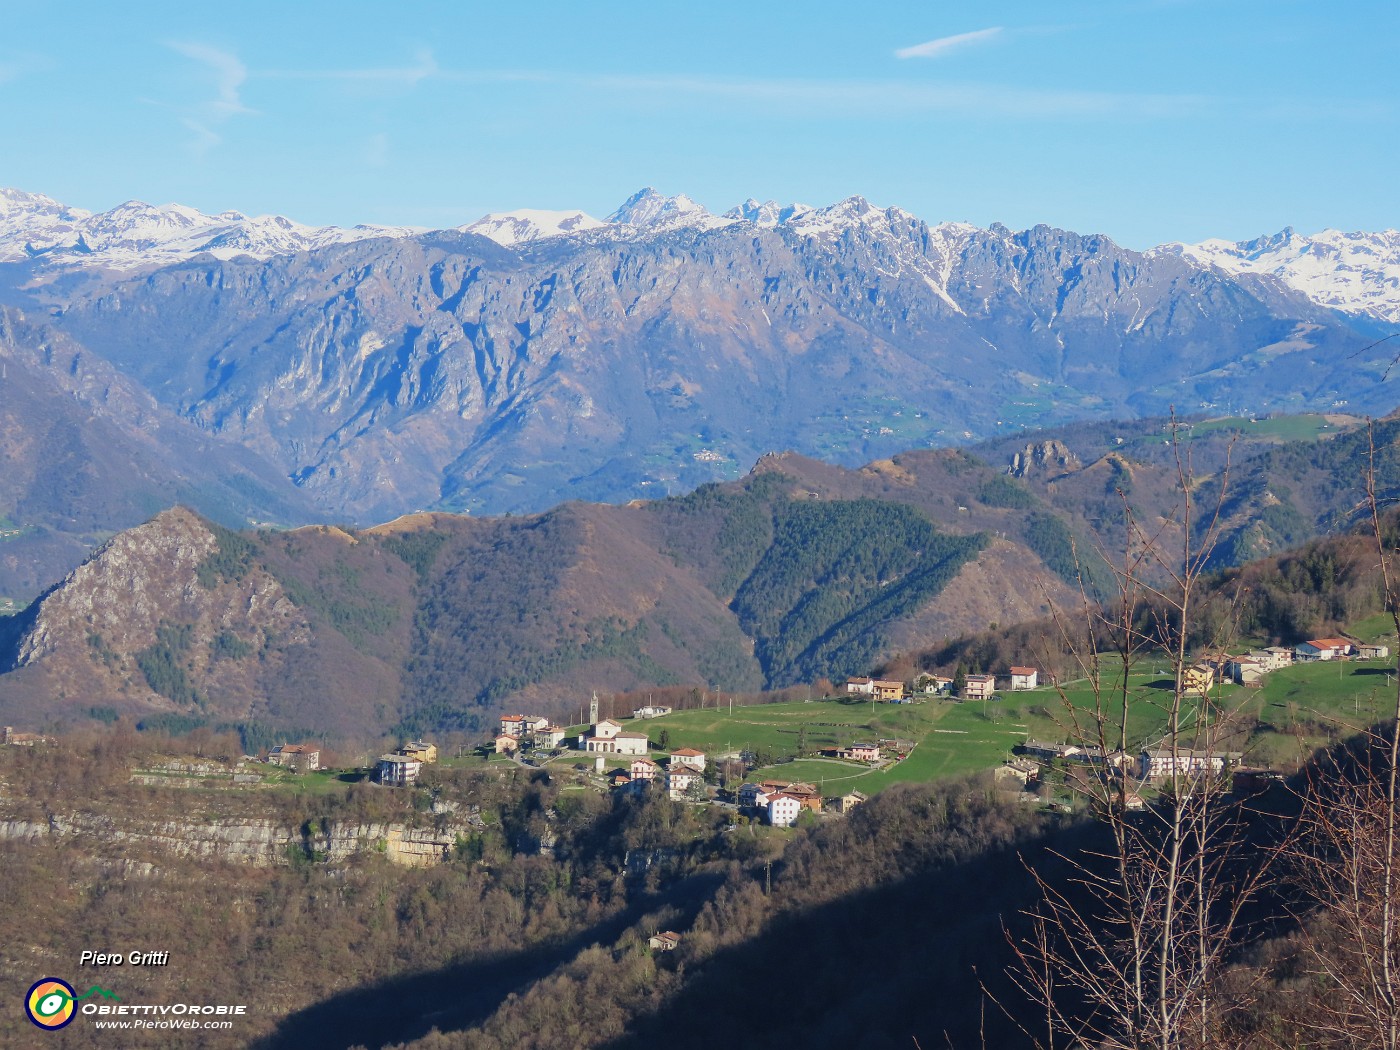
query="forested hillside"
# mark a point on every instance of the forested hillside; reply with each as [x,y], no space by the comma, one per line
[437,622]
[801,571]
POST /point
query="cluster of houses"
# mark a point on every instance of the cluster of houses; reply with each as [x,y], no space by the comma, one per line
[1151,765]
[781,802]
[401,768]
[1249,668]
[975,686]
[681,775]
[1160,762]
[535,730]
[10,738]
[607,740]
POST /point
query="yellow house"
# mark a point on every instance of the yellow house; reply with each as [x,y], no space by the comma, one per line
[1199,677]
[421,750]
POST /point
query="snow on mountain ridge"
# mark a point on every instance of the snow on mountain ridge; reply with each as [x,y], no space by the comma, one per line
[769,214]
[648,210]
[135,233]
[1356,273]
[531,224]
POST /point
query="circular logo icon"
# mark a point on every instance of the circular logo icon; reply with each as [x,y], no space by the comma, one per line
[49,1003]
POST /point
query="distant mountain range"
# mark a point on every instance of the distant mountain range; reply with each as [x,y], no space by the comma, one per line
[533,357]
[1356,273]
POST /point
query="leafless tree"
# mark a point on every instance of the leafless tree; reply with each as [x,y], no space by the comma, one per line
[1128,937]
[1347,856]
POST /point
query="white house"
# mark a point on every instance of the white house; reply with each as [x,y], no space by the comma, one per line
[688,756]
[617,744]
[861,685]
[680,779]
[398,770]
[1322,649]
[1373,652]
[932,684]
[783,810]
[1160,763]
[651,711]
[644,769]
[300,757]
[1245,669]
[1024,677]
[631,744]
[513,725]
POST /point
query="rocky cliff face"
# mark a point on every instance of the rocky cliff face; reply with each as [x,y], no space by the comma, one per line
[152,602]
[258,842]
[1044,457]
[85,451]
[448,370]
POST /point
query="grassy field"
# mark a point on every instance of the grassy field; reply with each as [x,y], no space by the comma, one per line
[1378,628]
[1308,427]
[779,728]
[951,738]
[830,775]
[1297,710]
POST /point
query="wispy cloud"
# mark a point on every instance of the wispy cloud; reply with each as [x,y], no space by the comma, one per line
[202,118]
[204,139]
[229,75]
[940,47]
[423,67]
[901,98]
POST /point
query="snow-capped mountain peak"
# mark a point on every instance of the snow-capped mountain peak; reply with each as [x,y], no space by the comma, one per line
[135,234]
[647,209]
[1356,273]
[17,205]
[531,224]
[769,214]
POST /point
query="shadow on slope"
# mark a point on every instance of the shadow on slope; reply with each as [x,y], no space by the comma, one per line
[401,1009]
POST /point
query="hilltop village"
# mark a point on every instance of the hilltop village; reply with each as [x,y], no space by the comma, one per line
[638,754]
[780,763]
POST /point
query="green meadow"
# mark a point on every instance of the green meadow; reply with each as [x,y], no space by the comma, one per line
[1296,710]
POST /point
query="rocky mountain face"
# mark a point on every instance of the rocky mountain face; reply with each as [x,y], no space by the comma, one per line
[800,571]
[669,346]
[177,618]
[252,841]
[533,357]
[85,451]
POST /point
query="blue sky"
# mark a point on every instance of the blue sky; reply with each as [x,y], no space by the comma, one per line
[1149,121]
